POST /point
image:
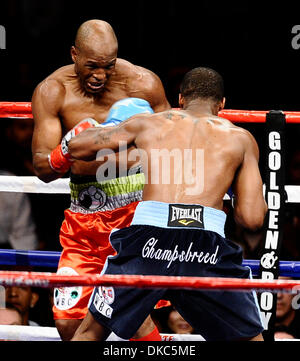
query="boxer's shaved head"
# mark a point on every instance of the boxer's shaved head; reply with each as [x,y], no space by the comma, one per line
[94,54]
[96,34]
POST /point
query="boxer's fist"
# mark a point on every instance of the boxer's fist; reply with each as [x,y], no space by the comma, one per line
[59,158]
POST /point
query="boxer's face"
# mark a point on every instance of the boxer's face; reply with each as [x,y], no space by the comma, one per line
[93,68]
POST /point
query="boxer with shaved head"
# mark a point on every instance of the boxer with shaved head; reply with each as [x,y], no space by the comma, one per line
[71,99]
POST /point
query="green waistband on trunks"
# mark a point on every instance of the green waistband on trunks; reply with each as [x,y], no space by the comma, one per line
[93,196]
[112,187]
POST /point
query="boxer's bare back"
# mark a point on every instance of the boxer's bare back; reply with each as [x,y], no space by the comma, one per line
[227,155]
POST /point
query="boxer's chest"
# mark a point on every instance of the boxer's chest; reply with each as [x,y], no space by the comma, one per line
[77,108]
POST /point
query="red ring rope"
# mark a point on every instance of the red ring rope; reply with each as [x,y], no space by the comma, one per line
[15,110]
[23,110]
[47,279]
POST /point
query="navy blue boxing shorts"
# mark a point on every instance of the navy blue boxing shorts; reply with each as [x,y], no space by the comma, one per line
[177,240]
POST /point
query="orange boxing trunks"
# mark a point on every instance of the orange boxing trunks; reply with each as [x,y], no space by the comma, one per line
[96,209]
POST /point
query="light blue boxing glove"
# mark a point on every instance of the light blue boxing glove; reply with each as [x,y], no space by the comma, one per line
[124,109]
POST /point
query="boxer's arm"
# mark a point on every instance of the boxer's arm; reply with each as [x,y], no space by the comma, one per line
[86,144]
[46,104]
[249,204]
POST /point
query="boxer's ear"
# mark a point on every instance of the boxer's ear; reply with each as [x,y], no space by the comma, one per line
[181,101]
[222,104]
[74,54]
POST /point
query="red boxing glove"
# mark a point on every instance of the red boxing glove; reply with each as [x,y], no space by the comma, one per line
[59,158]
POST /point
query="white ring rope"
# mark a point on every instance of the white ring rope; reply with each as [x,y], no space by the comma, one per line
[32,184]
[37,333]
[293,194]
[28,333]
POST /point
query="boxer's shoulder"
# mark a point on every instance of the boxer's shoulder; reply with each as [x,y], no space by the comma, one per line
[55,86]
[58,80]
[136,76]
[223,124]
[49,92]
[238,138]
[63,72]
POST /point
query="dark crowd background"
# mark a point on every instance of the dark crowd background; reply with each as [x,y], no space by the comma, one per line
[248,42]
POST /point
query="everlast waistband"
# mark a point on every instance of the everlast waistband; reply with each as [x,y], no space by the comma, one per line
[188,216]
